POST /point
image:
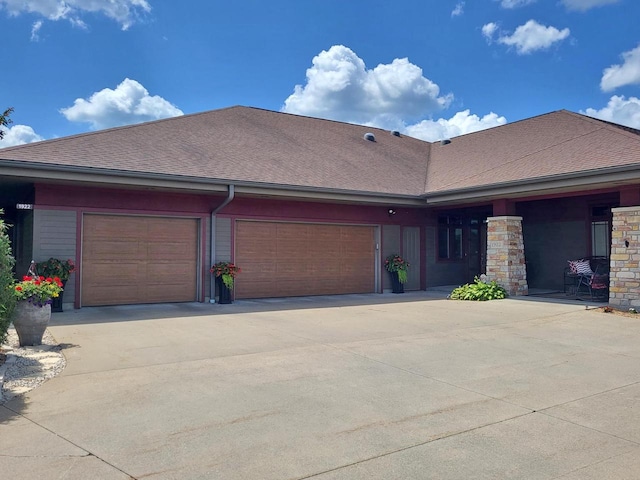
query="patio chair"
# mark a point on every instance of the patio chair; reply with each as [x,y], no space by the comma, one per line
[595,284]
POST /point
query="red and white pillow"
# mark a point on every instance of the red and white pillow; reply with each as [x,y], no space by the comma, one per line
[580,267]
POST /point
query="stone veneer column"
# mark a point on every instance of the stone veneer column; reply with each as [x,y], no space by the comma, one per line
[624,275]
[505,254]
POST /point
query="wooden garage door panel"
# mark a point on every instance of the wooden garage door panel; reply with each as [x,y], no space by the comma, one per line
[110,272]
[130,260]
[288,259]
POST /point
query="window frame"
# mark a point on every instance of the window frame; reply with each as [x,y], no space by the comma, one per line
[600,214]
[453,227]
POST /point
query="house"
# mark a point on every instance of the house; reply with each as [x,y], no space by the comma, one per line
[307,206]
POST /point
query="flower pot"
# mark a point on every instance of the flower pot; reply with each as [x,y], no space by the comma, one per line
[56,303]
[30,322]
[396,286]
[224,294]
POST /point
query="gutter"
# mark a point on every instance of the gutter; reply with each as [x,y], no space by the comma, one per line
[28,171]
[575,181]
[230,195]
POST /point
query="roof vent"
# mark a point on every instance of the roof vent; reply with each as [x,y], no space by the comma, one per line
[446,141]
[370,136]
[395,133]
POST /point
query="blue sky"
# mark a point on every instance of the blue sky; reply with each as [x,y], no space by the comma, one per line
[430,68]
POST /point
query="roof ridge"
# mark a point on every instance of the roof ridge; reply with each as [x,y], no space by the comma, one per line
[341,122]
[605,123]
[498,167]
[427,163]
[486,130]
[119,127]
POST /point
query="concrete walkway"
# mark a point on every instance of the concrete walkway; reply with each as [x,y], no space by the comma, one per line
[334,388]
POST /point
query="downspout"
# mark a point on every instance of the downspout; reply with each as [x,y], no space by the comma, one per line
[227,201]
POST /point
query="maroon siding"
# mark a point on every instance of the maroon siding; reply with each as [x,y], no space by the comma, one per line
[84,199]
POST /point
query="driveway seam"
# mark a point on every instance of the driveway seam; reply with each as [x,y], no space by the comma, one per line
[589,396]
[420,444]
[411,372]
[88,452]
[589,428]
[533,410]
[191,360]
[415,445]
[564,475]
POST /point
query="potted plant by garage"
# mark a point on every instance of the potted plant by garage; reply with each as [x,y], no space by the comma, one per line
[61,269]
[225,273]
[397,268]
[33,307]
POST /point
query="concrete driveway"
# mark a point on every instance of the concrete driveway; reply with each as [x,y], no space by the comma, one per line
[356,387]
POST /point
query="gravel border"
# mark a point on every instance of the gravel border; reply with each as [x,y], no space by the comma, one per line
[26,368]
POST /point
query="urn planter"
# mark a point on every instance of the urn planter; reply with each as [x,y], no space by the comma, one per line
[396,286]
[56,304]
[30,322]
[224,294]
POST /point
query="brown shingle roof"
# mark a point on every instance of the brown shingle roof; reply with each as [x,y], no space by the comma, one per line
[247,145]
[553,144]
[252,146]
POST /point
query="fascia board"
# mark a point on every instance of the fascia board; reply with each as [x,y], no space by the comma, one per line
[617,176]
[30,172]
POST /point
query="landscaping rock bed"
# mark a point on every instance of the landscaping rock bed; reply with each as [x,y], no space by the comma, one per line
[24,368]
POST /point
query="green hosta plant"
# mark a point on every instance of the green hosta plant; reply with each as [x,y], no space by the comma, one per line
[479,290]
[7,298]
[395,263]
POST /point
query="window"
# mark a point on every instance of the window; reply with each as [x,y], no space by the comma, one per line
[600,239]
[450,237]
[600,231]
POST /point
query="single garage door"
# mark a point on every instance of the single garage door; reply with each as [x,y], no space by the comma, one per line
[130,259]
[294,259]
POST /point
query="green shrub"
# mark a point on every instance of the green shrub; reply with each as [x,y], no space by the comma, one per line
[479,290]
[7,298]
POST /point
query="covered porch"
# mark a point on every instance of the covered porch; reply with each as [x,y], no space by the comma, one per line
[526,245]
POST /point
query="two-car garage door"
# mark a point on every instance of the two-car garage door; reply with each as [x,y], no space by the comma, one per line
[137,259]
[140,259]
[297,259]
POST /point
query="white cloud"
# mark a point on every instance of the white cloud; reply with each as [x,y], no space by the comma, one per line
[125,12]
[626,74]
[580,5]
[532,36]
[515,3]
[35,30]
[619,110]
[340,87]
[129,103]
[458,10]
[391,96]
[489,30]
[461,123]
[583,5]
[19,134]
